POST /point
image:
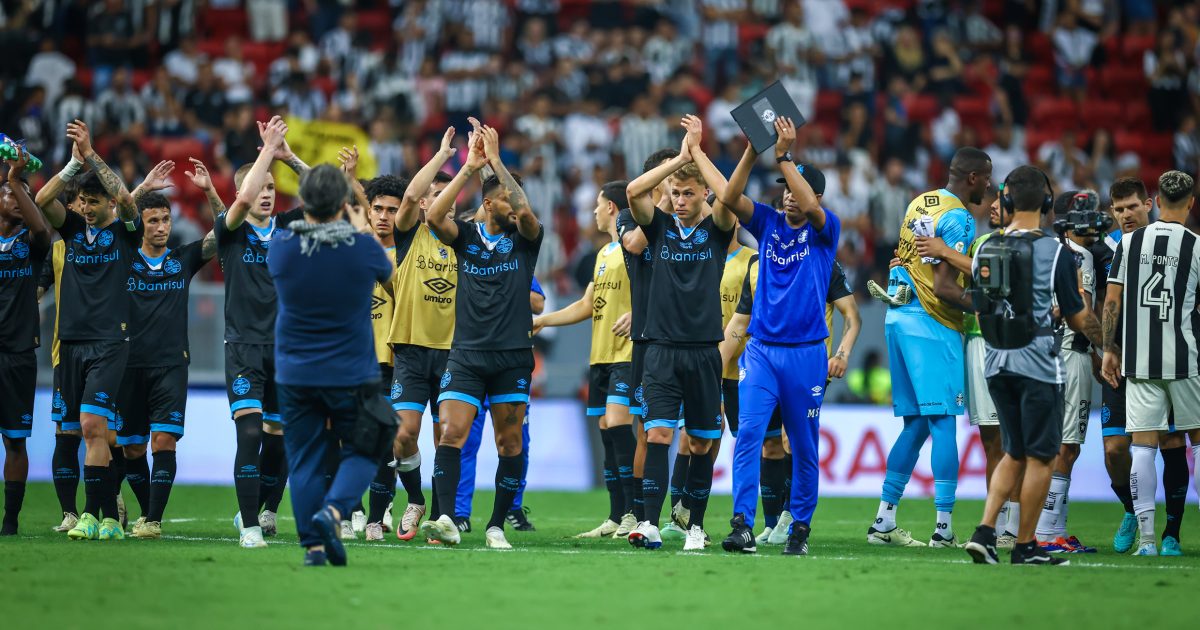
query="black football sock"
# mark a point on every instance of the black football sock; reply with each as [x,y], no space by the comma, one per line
[699,485]
[382,490]
[1175,487]
[654,483]
[271,463]
[246,478]
[434,503]
[624,444]
[66,471]
[447,469]
[162,480]
[137,473]
[95,484]
[679,475]
[14,497]
[771,482]
[639,499]
[1125,495]
[411,480]
[271,501]
[612,483]
[117,468]
[108,501]
[508,481]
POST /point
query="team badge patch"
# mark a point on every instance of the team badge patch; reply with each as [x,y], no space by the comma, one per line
[741,374]
[701,237]
[505,245]
[959,399]
[20,250]
[241,385]
[445,379]
[172,267]
[637,394]
[397,391]
[105,238]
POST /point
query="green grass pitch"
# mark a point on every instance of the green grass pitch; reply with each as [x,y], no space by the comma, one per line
[197,576]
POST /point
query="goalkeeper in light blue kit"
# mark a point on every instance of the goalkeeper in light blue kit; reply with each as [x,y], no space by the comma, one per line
[924,326]
[785,362]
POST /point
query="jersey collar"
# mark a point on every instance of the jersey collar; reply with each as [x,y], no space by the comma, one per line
[154,263]
[6,243]
[264,234]
[608,248]
[686,232]
[489,241]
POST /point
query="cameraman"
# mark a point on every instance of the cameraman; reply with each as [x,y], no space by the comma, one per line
[1080,222]
[1017,274]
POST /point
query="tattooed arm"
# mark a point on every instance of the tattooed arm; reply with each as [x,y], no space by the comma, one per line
[126,207]
[848,307]
[1111,367]
[201,179]
[284,152]
[157,179]
[208,248]
[527,222]
[735,339]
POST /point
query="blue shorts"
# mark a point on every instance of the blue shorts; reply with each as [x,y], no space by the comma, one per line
[926,360]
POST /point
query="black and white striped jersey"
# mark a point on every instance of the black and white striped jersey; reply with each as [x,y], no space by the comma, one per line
[1160,329]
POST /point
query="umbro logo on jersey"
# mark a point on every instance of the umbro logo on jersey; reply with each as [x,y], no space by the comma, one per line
[930,200]
[176,416]
[816,390]
[522,383]
[102,396]
[599,303]
[472,249]
[377,301]
[439,285]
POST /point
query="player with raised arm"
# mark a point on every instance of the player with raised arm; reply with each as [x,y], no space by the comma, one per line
[422,325]
[243,235]
[24,241]
[492,353]
[605,301]
[154,389]
[683,328]
[1152,287]
[924,326]
[785,364]
[96,323]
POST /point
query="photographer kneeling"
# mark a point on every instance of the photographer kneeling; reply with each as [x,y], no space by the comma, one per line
[1017,275]
[325,271]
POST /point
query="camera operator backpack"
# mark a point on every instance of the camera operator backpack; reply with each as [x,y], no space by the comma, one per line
[1002,290]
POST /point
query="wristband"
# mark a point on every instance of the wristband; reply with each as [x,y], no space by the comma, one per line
[70,170]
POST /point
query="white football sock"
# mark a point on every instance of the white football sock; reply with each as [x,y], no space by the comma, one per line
[885,518]
[1143,484]
[1064,505]
[1014,519]
[1002,518]
[945,525]
[1196,473]
[1047,525]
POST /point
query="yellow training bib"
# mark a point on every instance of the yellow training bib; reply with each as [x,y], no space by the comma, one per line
[610,300]
[426,285]
[923,218]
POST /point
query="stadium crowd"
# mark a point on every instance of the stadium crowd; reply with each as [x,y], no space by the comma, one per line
[1090,90]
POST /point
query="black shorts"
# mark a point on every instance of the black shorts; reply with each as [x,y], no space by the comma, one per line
[250,378]
[415,378]
[684,373]
[609,384]
[90,382]
[1030,413]
[153,399]
[729,401]
[1112,410]
[502,376]
[18,382]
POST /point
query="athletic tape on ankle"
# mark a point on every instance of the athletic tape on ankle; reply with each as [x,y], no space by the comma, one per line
[412,462]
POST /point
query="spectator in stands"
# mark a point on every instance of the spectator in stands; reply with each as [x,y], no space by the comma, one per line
[119,106]
[206,100]
[31,122]
[943,130]
[112,40]
[50,69]
[235,72]
[945,67]
[643,132]
[73,105]
[719,124]
[1187,146]
[886,205]
[665,52]
[847,192]
[1014,68]
[857,50]
[183,63]
[544,132]
[1073,48]
[905,58]
[535,46]
[1059,160]
[791,48]
[464,68]
[164,113]
[1005,152]
[241,136]
[587,139]
[268,19]
[1166,73]
[720,36]
[1102,163]
[575,44]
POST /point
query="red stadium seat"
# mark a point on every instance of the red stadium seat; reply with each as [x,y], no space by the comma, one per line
[1158,148]
[1039,47]
[1098,114]
[1123,79]
[378,22]
[1137,115]
[828,105]
[180,149]
[1133,46]
[974,111]
[1039,81]
[1124,140]
[922,108]
[1054,112]
[221,24]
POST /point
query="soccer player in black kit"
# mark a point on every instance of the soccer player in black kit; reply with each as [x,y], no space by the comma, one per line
[492,351]
[95,323]
[244,236]
[683,329]
[24,242]
[154,389]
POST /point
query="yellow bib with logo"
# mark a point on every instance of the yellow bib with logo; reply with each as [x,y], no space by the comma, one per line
[382,306]
[921,219]
[57,259]
[426,285]
[737,265]
[610,300]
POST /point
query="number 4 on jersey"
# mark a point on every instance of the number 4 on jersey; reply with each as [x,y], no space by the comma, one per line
[1155,295]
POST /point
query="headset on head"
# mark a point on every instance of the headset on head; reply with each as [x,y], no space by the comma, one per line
[1006,202]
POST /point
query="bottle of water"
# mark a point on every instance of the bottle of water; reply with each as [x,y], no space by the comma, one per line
[9,151]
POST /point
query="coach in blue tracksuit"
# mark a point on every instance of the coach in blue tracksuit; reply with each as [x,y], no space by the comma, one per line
[785,364]
[325,271]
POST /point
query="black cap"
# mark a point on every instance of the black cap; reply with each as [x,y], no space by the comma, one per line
[812,175]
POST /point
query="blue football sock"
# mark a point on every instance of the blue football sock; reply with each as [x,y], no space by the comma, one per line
[944,461]
[903,457]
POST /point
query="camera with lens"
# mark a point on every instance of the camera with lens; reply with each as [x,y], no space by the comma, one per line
[1083,217]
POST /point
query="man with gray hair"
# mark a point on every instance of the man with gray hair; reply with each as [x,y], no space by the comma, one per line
[325,270]
[1159,343]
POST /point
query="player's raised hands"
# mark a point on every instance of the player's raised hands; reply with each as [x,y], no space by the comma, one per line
[159,177]
[78,133]
[447,148]
[16,166]
[348,158]
[695,131]
[273,135]
[787,135]
[476,157]
[199,175]
[491,143]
